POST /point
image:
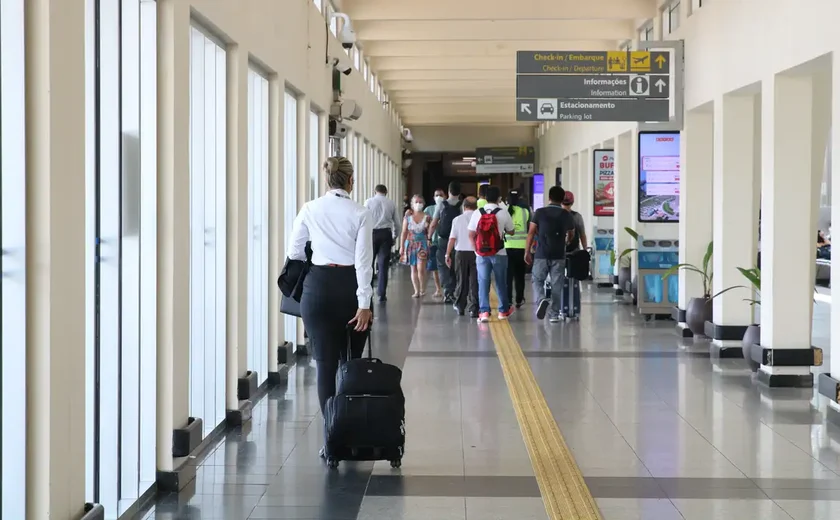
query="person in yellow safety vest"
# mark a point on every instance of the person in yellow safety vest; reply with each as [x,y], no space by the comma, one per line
[515,247]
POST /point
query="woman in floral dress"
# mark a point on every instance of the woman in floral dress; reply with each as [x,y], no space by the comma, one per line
[414,249]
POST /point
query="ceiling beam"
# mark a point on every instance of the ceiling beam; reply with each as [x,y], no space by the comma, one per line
[454,84]
[505,111]
[425,101]
[397,95]
[362,10]
[458,120]
[445,63]
[498,30]
[388,76]
[421,48]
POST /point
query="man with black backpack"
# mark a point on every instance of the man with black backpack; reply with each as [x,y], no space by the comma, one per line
[445,213]
[553,227]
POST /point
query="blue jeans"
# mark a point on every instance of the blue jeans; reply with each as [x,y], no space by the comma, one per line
[497,265]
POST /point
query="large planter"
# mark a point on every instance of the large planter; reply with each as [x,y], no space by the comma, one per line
[697,313]
[752,339]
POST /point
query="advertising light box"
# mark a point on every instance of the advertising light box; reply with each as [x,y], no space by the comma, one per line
[659,176]
[538,191]
[604,170]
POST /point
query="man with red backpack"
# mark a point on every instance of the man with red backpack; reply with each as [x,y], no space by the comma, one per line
[487,228]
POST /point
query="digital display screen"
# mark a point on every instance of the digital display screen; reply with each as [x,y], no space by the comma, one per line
[659,176]
[604,170]
[538,191]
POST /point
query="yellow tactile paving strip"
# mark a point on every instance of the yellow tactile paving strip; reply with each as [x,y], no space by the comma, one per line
[564,492]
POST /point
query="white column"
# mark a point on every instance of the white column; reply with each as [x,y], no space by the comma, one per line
[787,243]
[574,167]
[623,191]
[696,181]
[734,182]
[566,172]
[276,235]
[585,196]
[173,354]
[237,222]
[55,248]
[835,217]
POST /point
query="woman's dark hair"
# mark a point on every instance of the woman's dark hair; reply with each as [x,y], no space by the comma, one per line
[513,201]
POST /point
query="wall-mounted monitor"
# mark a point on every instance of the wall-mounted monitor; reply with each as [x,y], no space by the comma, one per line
[659,177]
[604,169]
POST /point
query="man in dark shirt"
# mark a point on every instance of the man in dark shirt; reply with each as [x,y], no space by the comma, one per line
[554,228]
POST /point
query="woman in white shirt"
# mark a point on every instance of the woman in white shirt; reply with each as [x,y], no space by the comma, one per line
[337,290]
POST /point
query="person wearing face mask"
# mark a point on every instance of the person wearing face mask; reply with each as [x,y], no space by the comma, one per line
[432,265]
[337,292]
[414,245]
[444,215]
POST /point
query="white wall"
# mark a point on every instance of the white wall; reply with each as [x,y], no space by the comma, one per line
[466,138]
[288,38]
[728,45]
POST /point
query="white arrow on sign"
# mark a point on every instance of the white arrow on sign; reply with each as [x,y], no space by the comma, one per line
[660,85]
[527,109]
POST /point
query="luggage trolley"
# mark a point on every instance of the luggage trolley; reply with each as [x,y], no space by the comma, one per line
[602,247]
[655,257]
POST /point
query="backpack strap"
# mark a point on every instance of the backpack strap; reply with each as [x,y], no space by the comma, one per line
[481,211]
[496,211]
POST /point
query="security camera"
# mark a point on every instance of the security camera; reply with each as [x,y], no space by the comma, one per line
[406,133]
[346,109]
[337,129]
[347,36]
[342,64]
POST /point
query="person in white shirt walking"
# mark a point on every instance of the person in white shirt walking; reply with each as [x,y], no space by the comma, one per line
[337,292]
[386,225]
[487,228]
[466,291]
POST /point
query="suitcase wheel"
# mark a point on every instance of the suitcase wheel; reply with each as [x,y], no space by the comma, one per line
[332,463]
[396,463]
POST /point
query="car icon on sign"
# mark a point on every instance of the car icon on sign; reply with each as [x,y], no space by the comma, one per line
[546,108]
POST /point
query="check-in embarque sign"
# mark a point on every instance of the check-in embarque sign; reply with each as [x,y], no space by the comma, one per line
[604,169]
[593,86]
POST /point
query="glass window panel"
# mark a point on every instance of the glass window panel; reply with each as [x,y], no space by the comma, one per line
[207,230]
[258,224]
[148,244]
[12,262]
[108,235]
[290,137]
[674,16]
[129,402]
[314,137]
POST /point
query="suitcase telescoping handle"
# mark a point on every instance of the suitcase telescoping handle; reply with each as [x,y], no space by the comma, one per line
[368,341]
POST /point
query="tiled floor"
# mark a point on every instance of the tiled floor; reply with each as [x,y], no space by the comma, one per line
[659,429]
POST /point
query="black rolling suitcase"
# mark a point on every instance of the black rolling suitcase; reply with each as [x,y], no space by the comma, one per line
[366,418]
[570,298]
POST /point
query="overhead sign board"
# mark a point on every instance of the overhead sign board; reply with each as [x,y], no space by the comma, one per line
[593,86]
[505,159]
[592,62]
[554,109]
[589,86]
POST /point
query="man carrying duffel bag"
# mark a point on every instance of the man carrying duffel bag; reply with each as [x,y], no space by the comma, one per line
[365,420]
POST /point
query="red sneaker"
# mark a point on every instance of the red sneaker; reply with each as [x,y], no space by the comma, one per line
[505,315]
[484,317]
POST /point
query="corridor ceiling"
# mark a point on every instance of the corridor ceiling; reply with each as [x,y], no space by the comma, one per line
[453,62]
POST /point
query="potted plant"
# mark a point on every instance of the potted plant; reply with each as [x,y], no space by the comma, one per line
[698,311]
[752,336]
[624,261]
